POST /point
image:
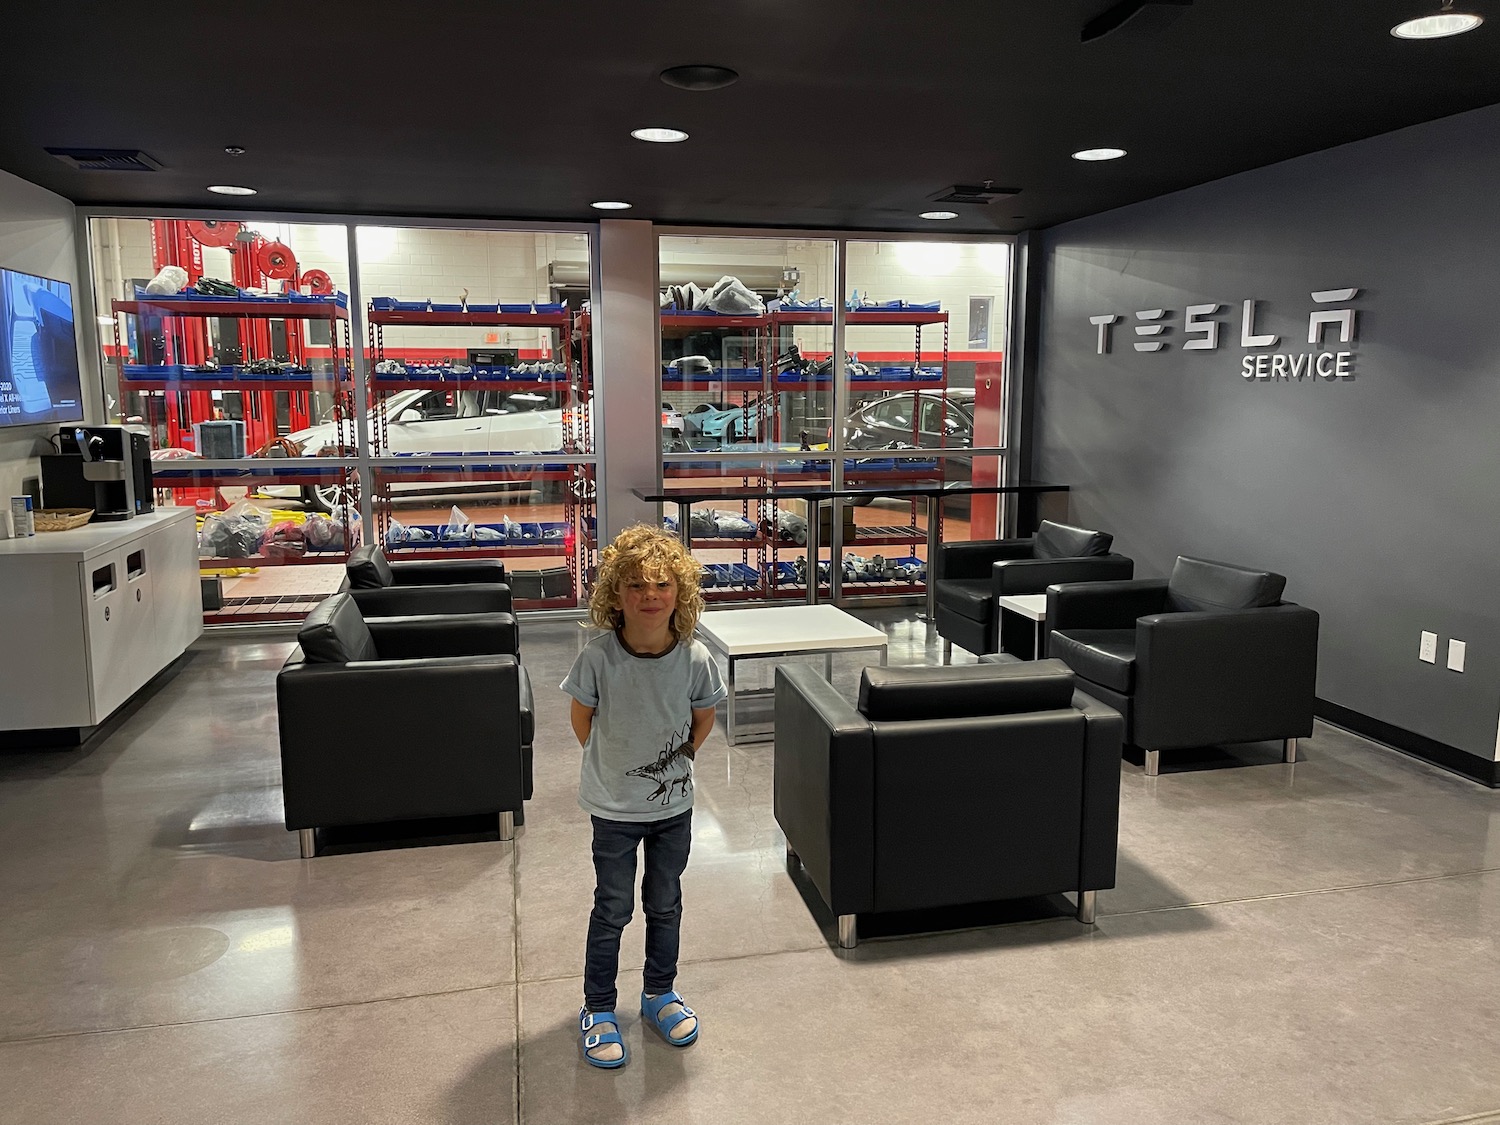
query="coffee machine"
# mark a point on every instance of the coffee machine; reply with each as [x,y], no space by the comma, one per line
[106,468]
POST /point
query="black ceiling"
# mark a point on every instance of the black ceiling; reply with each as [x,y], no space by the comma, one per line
[848,113]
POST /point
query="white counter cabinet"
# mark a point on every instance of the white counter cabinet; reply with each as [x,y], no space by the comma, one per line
[88,616]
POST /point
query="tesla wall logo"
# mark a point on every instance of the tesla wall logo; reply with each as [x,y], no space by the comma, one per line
[1201,334]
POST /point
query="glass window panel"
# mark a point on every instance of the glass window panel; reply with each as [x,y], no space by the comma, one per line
[498,319]
[937,353]
[746,367]
[233,365]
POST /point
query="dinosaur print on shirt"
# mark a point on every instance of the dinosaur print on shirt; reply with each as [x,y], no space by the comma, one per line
[671,770]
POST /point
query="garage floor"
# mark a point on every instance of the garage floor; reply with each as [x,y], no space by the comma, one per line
[1307,943]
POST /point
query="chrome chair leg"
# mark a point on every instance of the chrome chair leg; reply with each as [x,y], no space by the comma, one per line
[848,933]
[1086,907]
[306,842]
[947,651]
[1153,762]
[507,825]
[1289,750]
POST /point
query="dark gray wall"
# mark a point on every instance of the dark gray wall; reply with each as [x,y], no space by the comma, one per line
[1378,496]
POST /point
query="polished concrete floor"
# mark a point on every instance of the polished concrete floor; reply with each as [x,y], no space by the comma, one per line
[1308,943]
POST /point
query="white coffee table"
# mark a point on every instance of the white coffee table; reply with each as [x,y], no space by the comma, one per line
[794,630]
[1031,606]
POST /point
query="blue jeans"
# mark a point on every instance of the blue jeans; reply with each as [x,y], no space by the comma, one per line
[615,842]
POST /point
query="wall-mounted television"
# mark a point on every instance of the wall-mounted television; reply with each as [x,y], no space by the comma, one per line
[39,381]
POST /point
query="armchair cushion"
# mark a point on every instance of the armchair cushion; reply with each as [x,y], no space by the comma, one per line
[910,693]
[405,601]
[335,633]
[444,634]
[1200,584]
[368,570]
[1104,656]
[973,598]
[447,572]
[1064,541]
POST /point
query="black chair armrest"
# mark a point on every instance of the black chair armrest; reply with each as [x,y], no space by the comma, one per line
[444,634]
[528,710]
[1104,732]
[973,560]
[528,732]
[824,787]
[403,601]
[1033,576]
[441,572]
[1104,605]
[399,739]
[1225,676]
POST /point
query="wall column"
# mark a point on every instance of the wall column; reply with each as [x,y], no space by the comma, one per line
[627,415]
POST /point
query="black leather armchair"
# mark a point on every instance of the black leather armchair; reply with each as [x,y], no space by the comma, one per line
[947,786]
[386,589]
[402,718]
[970,576]
[1210,655]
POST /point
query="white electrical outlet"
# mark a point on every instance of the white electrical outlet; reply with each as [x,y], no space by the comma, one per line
[1456,651]
[1428,651]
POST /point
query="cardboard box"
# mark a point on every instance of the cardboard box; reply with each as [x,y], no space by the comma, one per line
[825,523]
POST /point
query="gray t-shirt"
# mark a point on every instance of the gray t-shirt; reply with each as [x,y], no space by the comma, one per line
[633,765]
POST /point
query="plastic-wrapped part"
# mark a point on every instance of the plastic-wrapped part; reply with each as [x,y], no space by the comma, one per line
[236,535]
[730,296]
[732,525]
[168,280]
[323,533]
[459,524]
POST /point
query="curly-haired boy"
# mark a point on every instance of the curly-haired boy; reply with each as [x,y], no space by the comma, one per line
[643,703]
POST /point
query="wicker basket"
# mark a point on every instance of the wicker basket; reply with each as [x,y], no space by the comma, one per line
[62,519]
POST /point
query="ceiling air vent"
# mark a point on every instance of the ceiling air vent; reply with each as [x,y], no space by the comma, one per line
[986,192]
[106,159]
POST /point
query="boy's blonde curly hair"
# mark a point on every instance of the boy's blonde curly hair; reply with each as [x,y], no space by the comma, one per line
[650,553]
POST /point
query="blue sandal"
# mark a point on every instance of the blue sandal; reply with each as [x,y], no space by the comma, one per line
[586,1022]
[651,1010]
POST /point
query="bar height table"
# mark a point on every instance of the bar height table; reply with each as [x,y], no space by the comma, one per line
[934,494]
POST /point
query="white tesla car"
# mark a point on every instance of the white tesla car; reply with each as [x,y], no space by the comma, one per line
[456,422]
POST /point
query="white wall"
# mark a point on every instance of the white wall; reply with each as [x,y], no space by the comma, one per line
[36,235]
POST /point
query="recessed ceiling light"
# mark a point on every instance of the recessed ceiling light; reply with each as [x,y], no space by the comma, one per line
[230,189]
[938,215]
[1446,22]
[234,150]
[610,205]
[1099,154]
[698,76]
[659,135]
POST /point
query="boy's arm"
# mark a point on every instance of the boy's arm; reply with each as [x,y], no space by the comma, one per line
[582,719]
[703,722]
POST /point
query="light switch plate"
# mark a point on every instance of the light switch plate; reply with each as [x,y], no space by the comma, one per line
[1456,652]
[1428,651]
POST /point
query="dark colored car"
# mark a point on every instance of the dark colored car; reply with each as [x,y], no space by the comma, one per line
[937,419]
